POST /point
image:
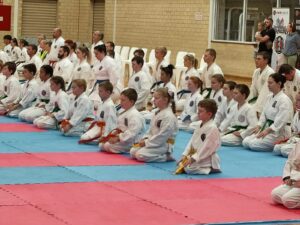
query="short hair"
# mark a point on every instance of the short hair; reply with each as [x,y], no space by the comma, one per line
[139,60]
[100,48]
[112,44]
[130,93]
[81,83]
[15,41]
[7,37]
[197,81]
[264,54]
[212,52]
[65,49]
[34,47]
[278,78]
[140,52]
[30,67]
[231,84]
[162,49]
[220,78]
[270,19]
[168,70]
[209,105]
[106,85]
[48,70]
[58,80]
[11,66]
[243,89]
[285,69]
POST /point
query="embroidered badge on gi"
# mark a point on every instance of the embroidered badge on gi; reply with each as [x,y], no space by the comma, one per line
[274,104]
[44,92]
[295,88]
[75,104]
[100,68]
[102,114]
[191,103]
[203,136]
[126,122]
[187,77]
[79,68]
[137,79]
[55,46]
[7,51]
[219,99]
[228,110]
[241,118]
[158,124]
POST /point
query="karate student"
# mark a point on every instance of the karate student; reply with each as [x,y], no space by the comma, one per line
[190,111]
[15,50]
[157,144]
[80,113]
[200,155]
[139,81]
[217,83]
[242,120]
[284,147]
[106,116]
[288,193]
[28,93]
[64,66]
[57,109]
[160,53]
[130,126]
[2,79]
[275,121]
[12,87]
[225,110]
[43,96]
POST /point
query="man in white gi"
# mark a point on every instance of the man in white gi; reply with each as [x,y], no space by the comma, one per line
[57,42]
[64,66]
[7,48]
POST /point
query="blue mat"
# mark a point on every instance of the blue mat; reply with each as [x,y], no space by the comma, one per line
[5,119]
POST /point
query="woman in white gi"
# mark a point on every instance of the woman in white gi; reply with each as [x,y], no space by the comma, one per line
[191,63]
[139,81]
[275,121]
[284,147]
[200,155]
[130,126]
[106,116]
[80,113]
[15,50]
[157,144]
[243,119]
[28,94]
[82,69]
[43,96]
[24,57]
[12,87]
[190,111]
[57,109]
[288,193]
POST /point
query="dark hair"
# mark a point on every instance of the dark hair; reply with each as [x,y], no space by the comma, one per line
[106,85]
[11,67]
[209,105]
[264,54]
[71,44]
[197,81]
[168,70]
[139,60]
[31,68]
[48,70]
[59,81]
[285,69]
[24,42]
[220,78]
[166,94]
[15,41]
[231,84]
[140,52]
[100,48]
[111,44]
[278,78]
[293,26]
[130,93]
[270,19]
[7,37]
[243,89]
[212,52]
[34,47]
[65,49]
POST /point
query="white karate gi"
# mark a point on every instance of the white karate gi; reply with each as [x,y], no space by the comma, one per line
[157,70]
[2,80]
[12,91]
[218,96]
[140,82]
[208,73]
[206,142]
[15,54]
[56,44]
[224,114]
[94,59]
[284,194]
[159,138]
[43,98]
[245,116]
[64,68]
[23,56]
[285,148]
[28,96]
[259,87]
[7,49]
[132,125]
[4,56]
[291,88]
[73,58]
[59,100]
[279,109]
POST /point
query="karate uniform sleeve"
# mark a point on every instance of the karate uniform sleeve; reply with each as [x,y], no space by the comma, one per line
[286,170]
[83,109]
[252,122]
[209,146]
[220,115]
[188,147]
[253,89]
[14,93]
[194,116]
[135,126]
[68,72]
[29,96]
[144,90]
[64,108]
[113,75]
[110,119]
[282,118]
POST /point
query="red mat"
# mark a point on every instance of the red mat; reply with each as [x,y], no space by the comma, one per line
[19,127]
[64,159]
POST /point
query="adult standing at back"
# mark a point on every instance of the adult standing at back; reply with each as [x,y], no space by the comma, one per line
[97,40]
[57,42]
[292,43]
[267,38]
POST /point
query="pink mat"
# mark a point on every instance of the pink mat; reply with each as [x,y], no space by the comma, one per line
[64,159]
[18,127]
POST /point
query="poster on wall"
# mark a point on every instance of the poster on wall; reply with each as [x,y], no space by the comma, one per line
[297,19]
[5,17]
